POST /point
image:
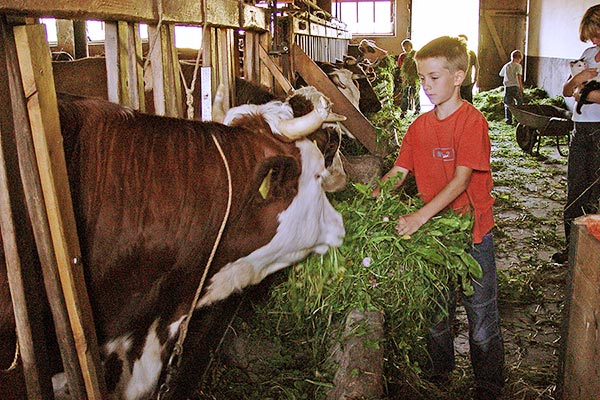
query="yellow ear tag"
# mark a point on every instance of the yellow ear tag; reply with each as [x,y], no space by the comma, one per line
[265,186]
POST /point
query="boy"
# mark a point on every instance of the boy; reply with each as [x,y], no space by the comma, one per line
[448,151]
[512,74]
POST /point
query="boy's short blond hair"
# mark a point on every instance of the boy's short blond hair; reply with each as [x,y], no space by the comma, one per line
[516,54]
[590,24]
[452,49]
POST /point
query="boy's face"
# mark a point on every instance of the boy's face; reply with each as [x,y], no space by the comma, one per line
[439,84]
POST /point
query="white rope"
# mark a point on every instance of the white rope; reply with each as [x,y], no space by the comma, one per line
[15,361]
[189,97]
[183,328]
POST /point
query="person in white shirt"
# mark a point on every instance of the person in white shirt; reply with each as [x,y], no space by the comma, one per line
[512,72]
[583,175]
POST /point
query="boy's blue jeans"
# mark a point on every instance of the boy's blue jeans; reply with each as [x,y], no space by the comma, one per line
[485,338]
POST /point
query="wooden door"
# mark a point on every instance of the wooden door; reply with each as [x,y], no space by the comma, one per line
[502,29]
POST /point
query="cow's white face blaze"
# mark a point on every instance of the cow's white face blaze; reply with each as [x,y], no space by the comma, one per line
[310,224]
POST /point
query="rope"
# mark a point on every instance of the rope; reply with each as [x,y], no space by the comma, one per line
[15,360]
[189,97]
[582,193]
[176,355]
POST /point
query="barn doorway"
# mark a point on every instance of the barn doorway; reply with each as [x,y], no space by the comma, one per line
[434,18]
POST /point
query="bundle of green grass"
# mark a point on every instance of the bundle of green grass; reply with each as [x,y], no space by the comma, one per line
[405,277]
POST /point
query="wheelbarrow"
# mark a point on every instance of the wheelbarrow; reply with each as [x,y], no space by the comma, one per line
[535,120]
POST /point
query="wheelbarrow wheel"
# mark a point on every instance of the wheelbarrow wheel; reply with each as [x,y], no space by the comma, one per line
[526,137]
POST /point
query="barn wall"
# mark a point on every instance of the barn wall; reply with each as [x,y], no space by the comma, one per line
[553,41]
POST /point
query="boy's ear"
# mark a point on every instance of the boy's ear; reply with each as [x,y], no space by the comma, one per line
[459,77]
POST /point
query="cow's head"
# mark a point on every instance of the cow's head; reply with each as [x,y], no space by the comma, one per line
[370,51]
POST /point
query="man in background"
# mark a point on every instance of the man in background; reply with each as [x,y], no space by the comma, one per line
[466,90]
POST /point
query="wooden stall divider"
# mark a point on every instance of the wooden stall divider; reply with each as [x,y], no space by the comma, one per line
[16,129]
[38,83]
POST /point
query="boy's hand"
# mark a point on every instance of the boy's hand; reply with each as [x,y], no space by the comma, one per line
[409,224]
[376,191]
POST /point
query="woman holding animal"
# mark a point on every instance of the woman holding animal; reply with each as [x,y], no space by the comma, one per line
[583,175]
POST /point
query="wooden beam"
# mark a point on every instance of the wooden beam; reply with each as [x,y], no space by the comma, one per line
[356,122]
[36,73]
[224,13]
[17,118]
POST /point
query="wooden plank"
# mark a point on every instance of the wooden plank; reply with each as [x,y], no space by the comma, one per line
[136,68]
[206,93]
[37,212]
[250,55]
[274,70]
[356,122]
[166,83]
[265,77]
[225,62]
[36,72]
[117,62]
[497,42]
[17,239]
[579,371]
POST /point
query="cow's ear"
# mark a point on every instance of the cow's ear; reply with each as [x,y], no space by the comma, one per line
[276,178]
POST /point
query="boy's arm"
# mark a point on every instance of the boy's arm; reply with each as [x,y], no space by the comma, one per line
[520,79]
[390,174]
[410,223]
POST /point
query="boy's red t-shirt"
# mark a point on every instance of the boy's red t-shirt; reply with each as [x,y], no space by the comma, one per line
[433,148]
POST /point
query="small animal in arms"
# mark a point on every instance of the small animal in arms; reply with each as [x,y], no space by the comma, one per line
[593,84]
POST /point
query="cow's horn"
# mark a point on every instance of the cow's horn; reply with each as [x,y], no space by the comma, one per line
[298,128]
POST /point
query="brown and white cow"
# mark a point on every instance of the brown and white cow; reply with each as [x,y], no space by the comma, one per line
[149,196]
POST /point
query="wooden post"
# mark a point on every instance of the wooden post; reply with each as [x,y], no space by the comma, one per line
[124,70]
[80,39]
[18,120]
[17,238]
[579,377]
[166,83]
[251,56]
[274,70]
[36,73]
